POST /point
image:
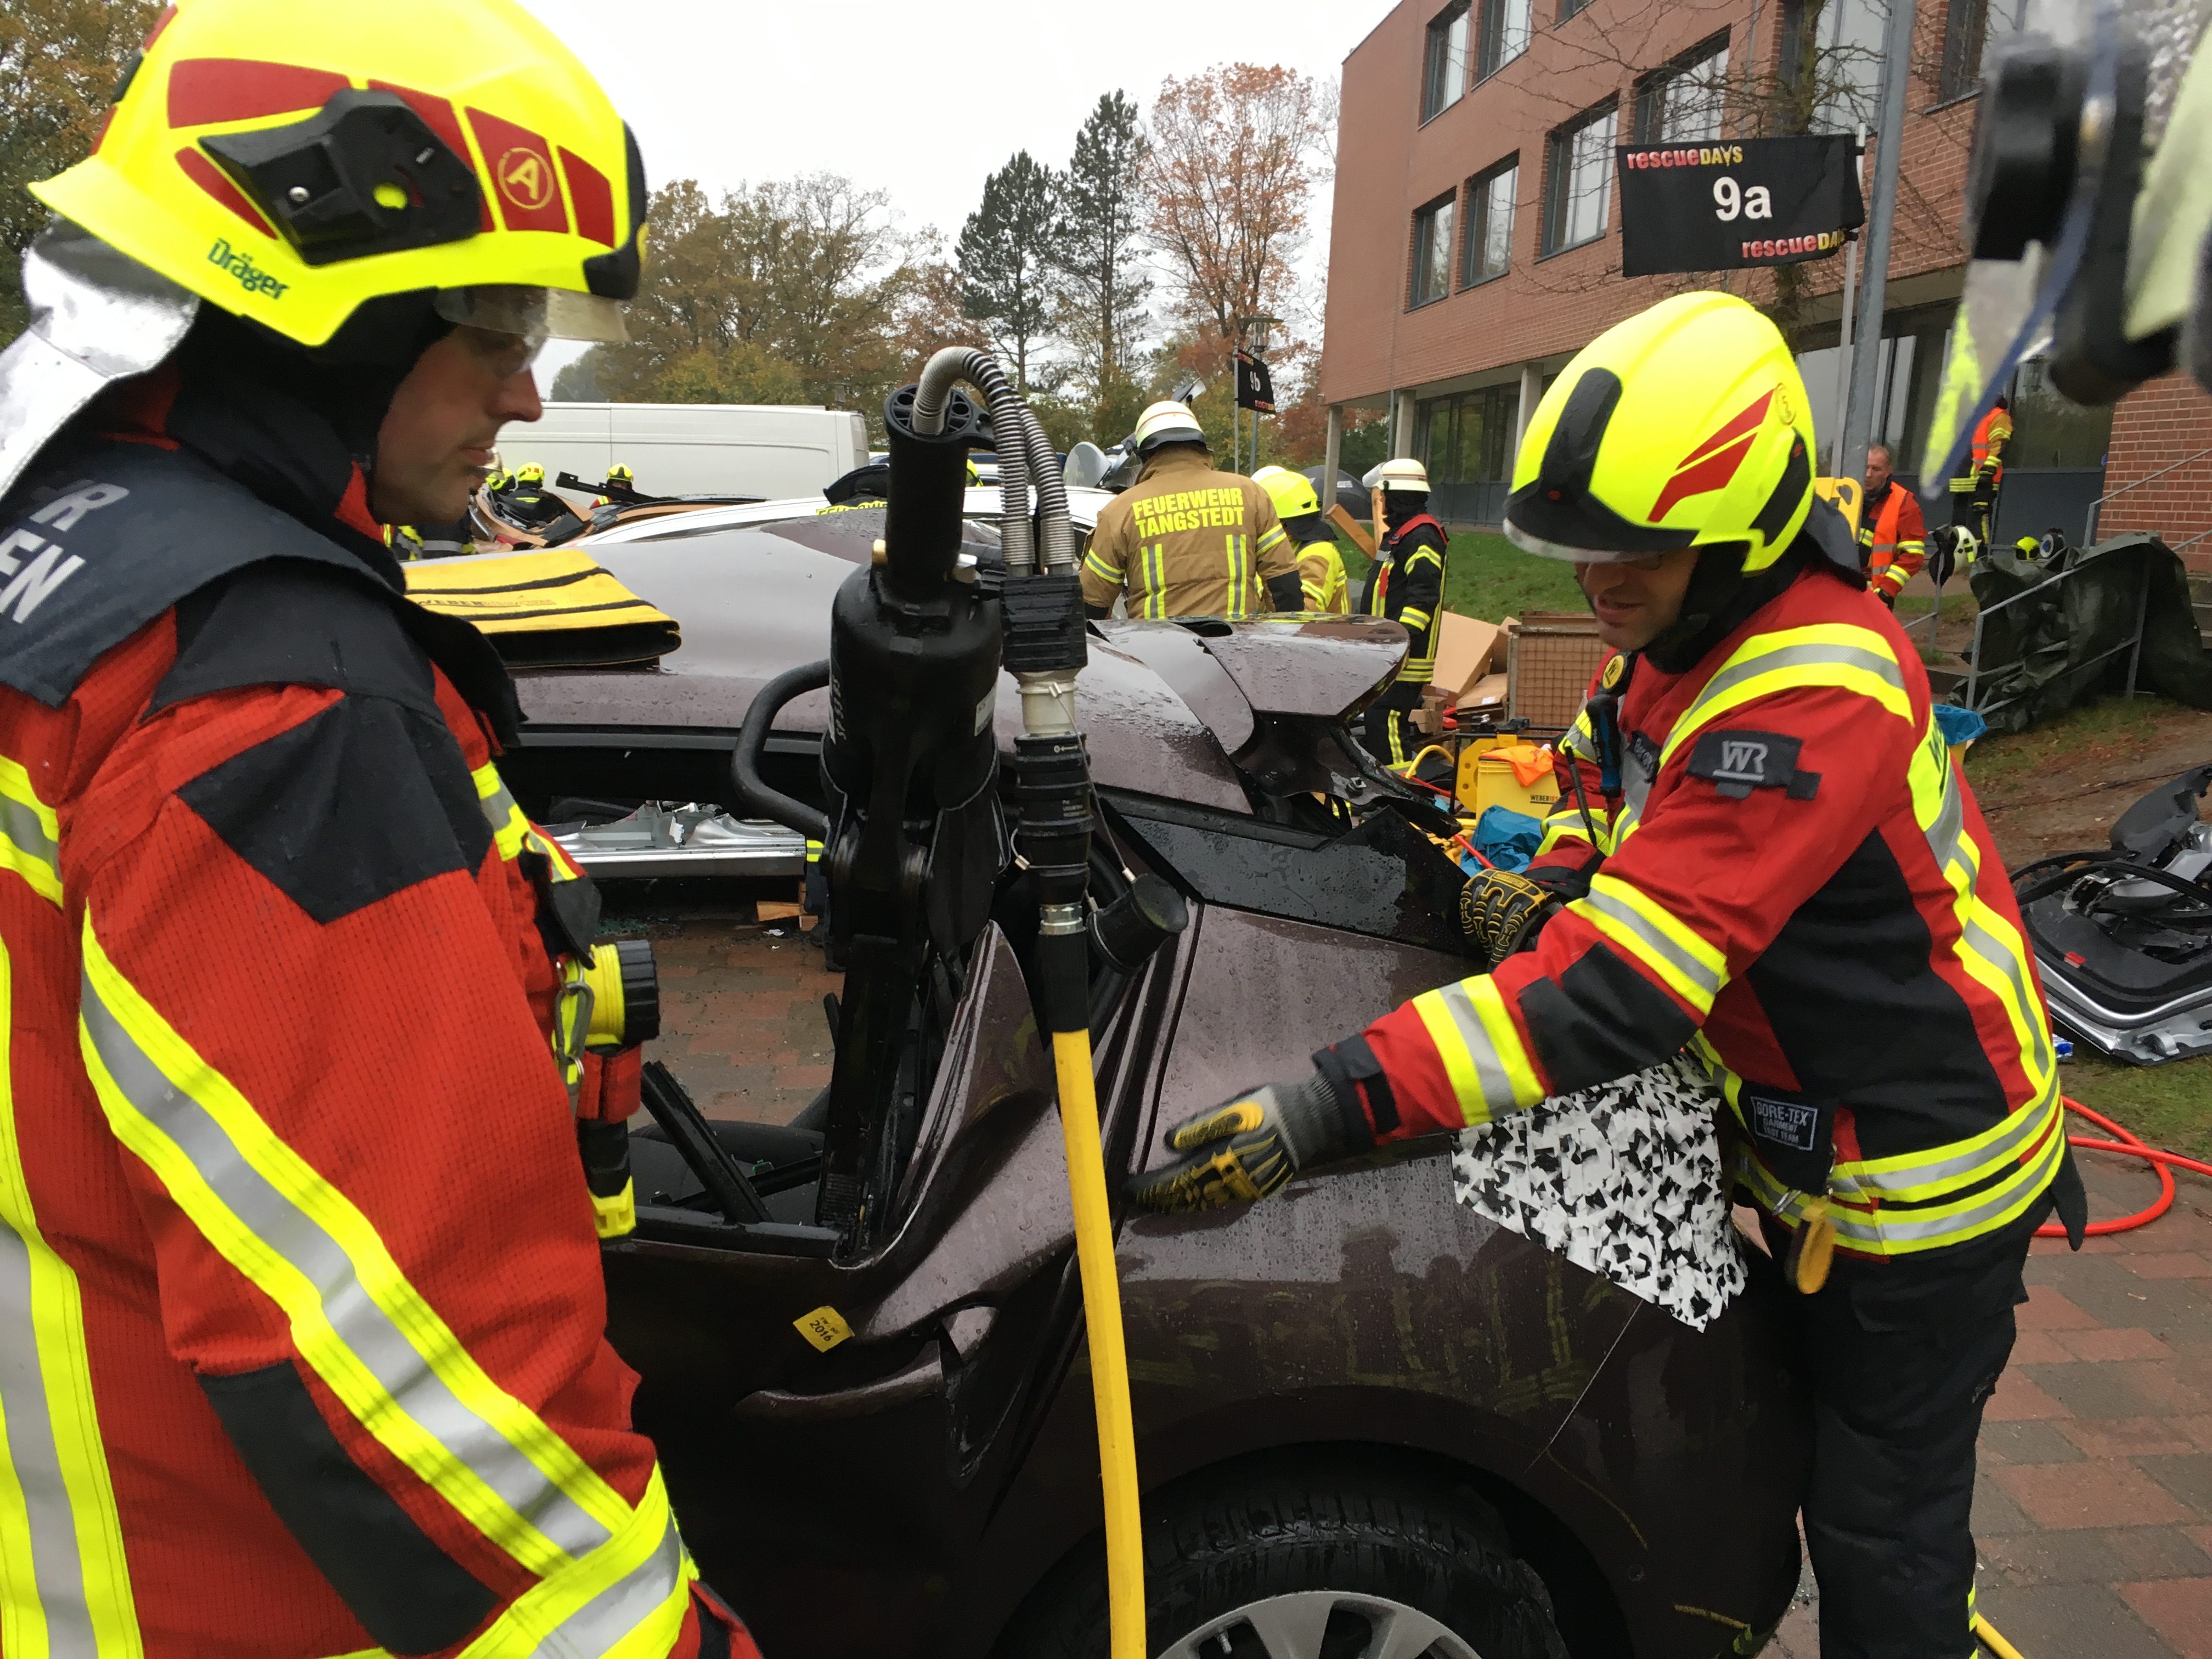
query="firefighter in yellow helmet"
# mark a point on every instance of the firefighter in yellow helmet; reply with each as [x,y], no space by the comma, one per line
[1766,854]
[302,1330]
[1321,567]
[1407,586]
[1186,540]
[619,476]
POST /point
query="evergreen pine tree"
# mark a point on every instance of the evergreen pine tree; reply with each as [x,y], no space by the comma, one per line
[1094,261]
[1002,257]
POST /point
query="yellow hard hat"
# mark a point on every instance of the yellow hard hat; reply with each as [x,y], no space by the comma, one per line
[620,473]
[530,472]
[1685,426]
[1291,492]
[291,163]
[1167,422]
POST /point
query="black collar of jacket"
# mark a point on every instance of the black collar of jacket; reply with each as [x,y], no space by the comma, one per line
[1720,599]
[300,435]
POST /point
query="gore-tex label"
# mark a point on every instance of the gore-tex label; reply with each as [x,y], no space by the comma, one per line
[1737,762]
[1785,1122]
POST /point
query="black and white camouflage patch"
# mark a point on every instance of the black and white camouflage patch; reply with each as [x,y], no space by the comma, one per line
[1624,1180]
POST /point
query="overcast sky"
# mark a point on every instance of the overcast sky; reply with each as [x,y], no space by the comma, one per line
[922,101]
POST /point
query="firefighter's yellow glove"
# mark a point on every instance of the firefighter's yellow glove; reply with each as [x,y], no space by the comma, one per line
[1246,1147]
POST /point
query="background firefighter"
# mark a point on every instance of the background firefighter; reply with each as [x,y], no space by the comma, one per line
[1893,538]
[292,1212]
[1406,585]
[1766,853]
[1186,540]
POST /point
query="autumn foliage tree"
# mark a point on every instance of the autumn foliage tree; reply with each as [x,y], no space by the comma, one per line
[59,64]
[1233,157]
[797,290]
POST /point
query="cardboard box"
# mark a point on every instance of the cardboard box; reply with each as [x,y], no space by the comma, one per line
[1467,647]
[1485,695]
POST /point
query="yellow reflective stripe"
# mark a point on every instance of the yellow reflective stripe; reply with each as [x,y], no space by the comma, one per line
[1276,537]
[1415,619]
[65,1583]
[1153,562]
[30,834]
[1095,563]
[1566,822]
[379,1345]
[1890,1229]
[1913,1177]
[1631,918]
[1240,579]
[1989,947]
[508,826]
[621,1601]
[626,1600]
[1421,553]
[1827,655]
[1474,1036]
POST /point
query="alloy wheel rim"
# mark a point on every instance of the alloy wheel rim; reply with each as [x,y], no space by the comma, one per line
[1293,1626]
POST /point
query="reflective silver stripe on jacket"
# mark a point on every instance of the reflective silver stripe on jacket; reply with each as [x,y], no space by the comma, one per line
[292,1235]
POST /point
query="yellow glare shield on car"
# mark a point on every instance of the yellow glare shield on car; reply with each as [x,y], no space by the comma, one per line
[555,609]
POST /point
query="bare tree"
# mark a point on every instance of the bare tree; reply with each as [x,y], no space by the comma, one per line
[1233,158]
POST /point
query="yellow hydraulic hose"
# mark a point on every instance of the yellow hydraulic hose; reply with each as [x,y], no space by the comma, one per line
[1994,1642]
[1109,1360]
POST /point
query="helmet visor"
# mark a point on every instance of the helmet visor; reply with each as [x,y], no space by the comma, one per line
[534,314]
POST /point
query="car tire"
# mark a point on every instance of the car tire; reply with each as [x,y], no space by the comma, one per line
[1317,1564]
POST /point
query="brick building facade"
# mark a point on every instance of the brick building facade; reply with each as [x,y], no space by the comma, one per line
[1475,242]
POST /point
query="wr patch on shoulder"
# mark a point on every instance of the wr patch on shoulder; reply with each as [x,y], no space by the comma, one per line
[1737,762]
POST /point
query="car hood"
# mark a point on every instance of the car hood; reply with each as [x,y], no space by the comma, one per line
[1166,707]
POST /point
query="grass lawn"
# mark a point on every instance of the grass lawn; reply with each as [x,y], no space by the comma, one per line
[2111,723]
[1486,576]
[2170,1105]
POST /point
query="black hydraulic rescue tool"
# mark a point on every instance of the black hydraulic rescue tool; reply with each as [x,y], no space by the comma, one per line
[914,842]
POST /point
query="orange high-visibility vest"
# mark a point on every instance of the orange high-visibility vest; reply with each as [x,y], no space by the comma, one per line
[1990,437]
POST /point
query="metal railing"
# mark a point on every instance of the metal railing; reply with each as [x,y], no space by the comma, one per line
[2132,644]
[2097,507]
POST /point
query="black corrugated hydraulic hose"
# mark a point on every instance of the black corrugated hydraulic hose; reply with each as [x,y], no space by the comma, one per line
[753,791]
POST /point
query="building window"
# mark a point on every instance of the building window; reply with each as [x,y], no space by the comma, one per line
[1432,247]
[1487,246]
[1569,8]
[1465,441]
[1577,178]
[1966,33]
[1685,102]
[1504,34]
[1834,60]
[1443,75]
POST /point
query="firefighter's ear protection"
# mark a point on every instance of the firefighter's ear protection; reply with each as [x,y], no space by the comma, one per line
[2046,141]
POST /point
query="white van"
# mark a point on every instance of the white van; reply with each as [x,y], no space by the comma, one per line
[768,450]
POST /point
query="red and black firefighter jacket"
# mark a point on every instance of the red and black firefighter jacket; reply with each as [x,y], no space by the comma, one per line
[1407,586]
[302,1345]
[1785,871]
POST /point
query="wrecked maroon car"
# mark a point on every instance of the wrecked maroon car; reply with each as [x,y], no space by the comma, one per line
[1372,1419]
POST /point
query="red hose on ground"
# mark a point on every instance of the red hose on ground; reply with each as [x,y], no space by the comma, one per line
[2127,1142]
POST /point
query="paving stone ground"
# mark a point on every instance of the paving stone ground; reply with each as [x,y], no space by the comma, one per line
[2092,1514]
[2093,1506]
[742,1021]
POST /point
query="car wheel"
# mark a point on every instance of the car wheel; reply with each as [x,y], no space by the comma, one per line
[1335,1565]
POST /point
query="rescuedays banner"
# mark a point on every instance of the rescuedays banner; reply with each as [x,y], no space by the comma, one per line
[1746,201]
